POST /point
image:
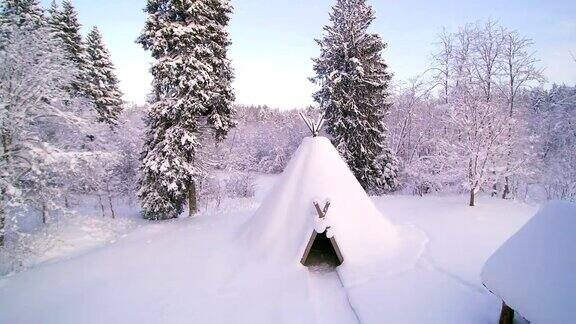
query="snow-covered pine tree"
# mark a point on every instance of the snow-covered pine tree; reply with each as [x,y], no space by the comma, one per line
[354,94]
[66,27]
[102,83]
[192,78]
[221,111]
[23,12]
[53,17]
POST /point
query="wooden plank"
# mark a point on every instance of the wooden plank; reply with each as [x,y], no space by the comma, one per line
[506,314]
[308,247]
[337,249]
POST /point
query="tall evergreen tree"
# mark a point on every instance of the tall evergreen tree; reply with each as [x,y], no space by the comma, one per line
[66,27]
[22,12]
[102,83]
[192,85]
[220,110]
[354,94]
[54,17]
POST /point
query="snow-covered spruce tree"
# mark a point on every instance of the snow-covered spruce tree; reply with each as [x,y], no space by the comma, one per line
[22,12]
[102,83]
[53,18]
[192,87]
[66,27]
[354,94]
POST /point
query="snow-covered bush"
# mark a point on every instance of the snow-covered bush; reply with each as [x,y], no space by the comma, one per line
[239,185]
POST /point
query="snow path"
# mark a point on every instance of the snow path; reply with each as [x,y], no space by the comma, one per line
[427,262]
[329,298]
[443,287]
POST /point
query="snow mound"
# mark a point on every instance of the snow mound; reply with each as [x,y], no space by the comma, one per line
[281,227]
[534,272]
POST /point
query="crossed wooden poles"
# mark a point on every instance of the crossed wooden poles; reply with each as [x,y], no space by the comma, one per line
[313,126]
[322,212]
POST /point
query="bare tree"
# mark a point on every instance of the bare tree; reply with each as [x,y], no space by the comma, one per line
[443,62]
[517,64]
[472,143]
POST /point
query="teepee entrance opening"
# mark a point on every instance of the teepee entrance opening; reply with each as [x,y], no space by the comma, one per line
[322,250]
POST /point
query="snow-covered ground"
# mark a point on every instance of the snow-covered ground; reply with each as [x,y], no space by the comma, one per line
[65,236]
[193,271]
[444,286]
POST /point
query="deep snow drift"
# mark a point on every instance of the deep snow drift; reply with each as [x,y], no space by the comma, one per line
[534,272]
[280,229]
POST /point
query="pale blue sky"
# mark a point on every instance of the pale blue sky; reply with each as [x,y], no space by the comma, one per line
[273,40]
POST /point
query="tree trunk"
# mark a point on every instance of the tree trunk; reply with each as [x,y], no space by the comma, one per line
[101,205]
[506,188]
[44,214]
[111,206]
[110,201]
[66,202]
[506,314]
[2,221]
[192,199]
[6,141]
[472,198]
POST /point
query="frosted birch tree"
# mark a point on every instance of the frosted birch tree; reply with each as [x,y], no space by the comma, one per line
[519,74]
[473,143]
[41,129]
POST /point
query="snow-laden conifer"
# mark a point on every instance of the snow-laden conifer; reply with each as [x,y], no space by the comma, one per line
[354,94]
[102,83]
[53,16]
[22,12]
[66,27]
[191,89]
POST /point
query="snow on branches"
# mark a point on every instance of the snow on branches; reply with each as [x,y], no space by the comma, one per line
[354,94]
[192,87]
[475,134]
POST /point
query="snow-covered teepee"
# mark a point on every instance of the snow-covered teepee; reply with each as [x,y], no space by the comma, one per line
[282,227]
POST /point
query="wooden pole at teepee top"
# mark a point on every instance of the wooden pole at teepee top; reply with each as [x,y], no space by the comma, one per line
[322,212]
[314,127]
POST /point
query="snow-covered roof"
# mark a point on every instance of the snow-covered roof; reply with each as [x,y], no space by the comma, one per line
[282,225]
[534,272]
